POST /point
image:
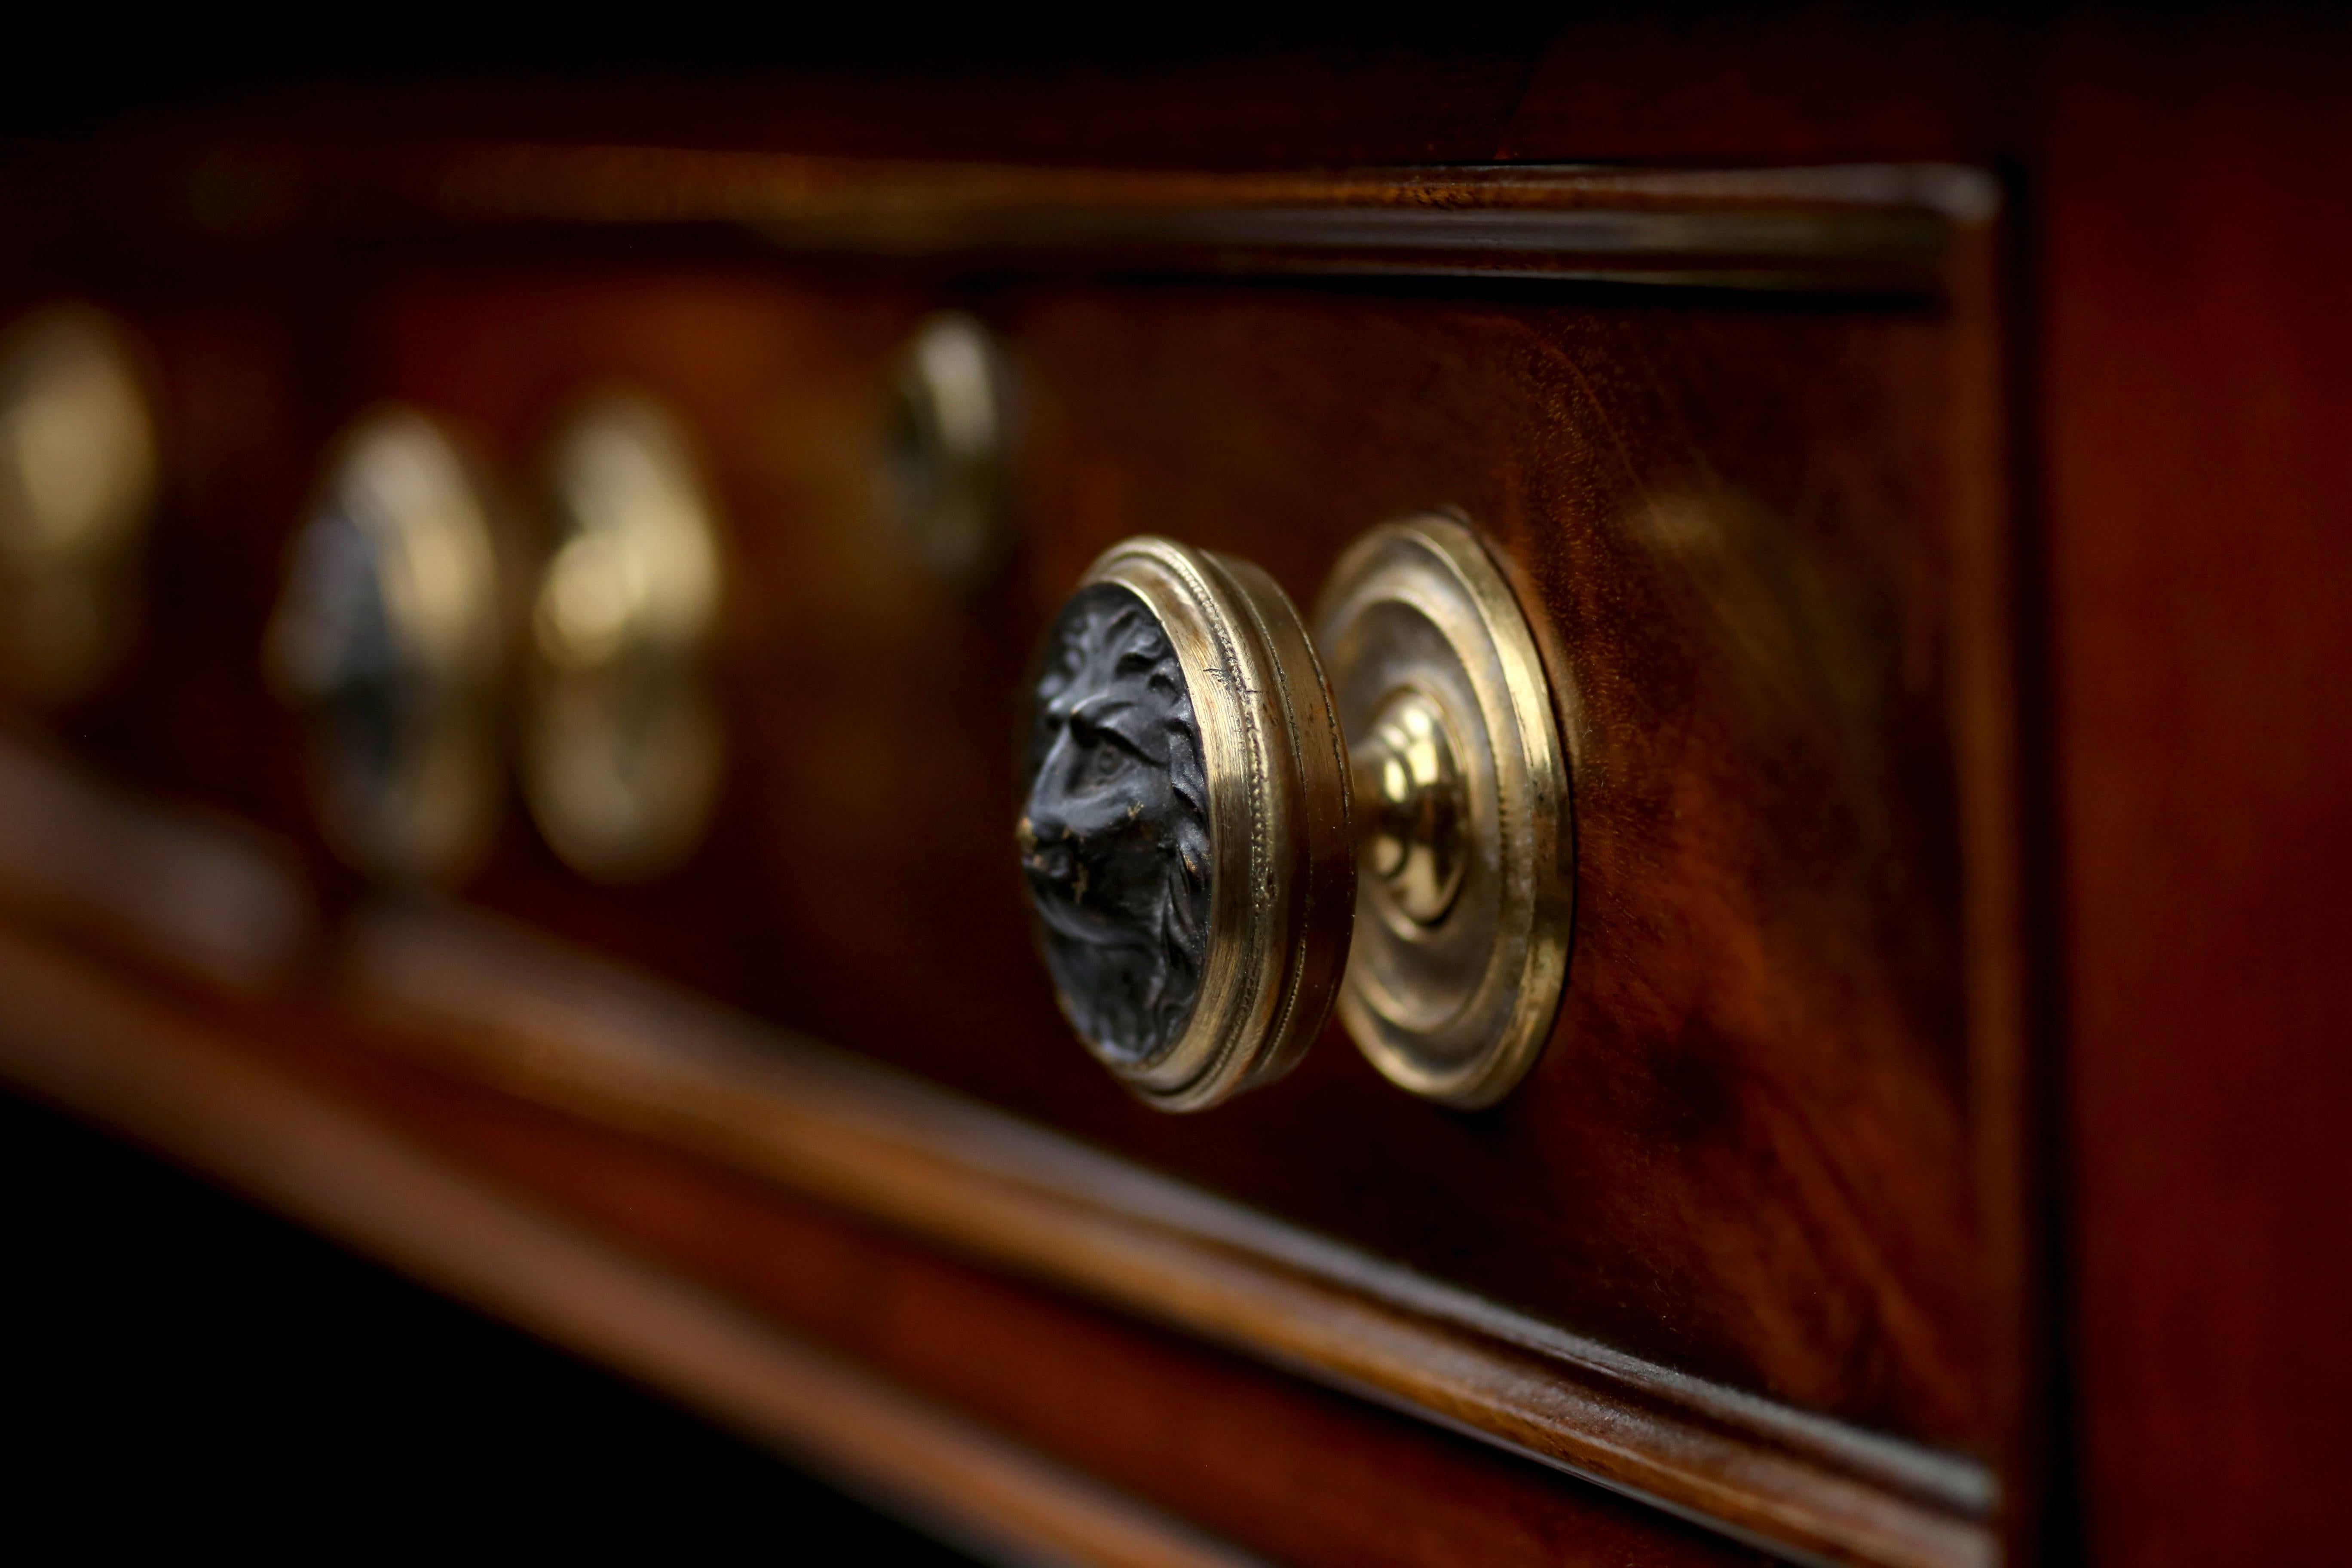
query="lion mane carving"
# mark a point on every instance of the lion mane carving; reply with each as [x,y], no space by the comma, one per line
[1115,841]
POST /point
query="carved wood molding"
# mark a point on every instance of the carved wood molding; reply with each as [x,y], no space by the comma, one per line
[558,1026]
[1875,228]
[80,1038]
[1880,229]
[552,1025]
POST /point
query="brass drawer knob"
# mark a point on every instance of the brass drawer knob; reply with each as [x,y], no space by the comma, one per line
[388,641]
[78,470]
[1221,843]
[621,741]
[944,477]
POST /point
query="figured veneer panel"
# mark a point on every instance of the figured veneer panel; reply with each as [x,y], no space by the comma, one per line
[1773,1140]
[1750,1150]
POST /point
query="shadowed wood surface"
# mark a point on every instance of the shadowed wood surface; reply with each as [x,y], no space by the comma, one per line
[507,1008]
[74,1040]
[2200,377]
[1753,1150]
[1781,1139]
[550,1025]
[1767,1013]
[1873,230]
[727,1295]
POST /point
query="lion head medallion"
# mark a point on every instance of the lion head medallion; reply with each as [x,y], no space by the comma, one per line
[1115,840]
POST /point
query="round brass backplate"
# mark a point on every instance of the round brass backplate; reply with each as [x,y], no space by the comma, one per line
[1111,838]
[621,743]
[1456,967]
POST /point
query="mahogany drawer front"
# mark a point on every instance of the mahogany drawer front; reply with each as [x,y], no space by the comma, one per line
[1761,534]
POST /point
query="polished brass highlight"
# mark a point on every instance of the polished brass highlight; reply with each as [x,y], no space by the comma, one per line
[77,484]
[1459,956]
[1432,752]
[1409,791]
[622,744]
[388,640]
[944,478]
[1282,880]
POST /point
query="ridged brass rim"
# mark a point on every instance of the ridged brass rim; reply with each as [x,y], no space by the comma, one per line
[1282,853]
[1457,1010]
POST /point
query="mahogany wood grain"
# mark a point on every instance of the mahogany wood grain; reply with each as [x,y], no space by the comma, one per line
[2178,366]
[508,1008]
[2182,352]
[2199,388]
[557,1027]
[1758,1149]
[1749,1152]
[1881,228]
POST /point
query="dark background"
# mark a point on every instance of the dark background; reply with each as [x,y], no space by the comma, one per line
[181,1367]
[95,73]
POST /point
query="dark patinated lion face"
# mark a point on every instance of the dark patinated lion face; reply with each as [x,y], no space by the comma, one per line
[1115,837]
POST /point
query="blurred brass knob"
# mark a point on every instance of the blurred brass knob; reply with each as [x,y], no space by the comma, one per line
[621,743]
[944,478]
[388,641]
[77,483]
[1221,844]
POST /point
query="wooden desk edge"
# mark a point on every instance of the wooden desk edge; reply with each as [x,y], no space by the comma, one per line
[80,1039]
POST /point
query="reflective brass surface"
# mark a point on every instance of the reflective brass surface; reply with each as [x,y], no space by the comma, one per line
[1412,807]
[1432,757]
[388,641]
[1282,858]
[621,748]
[1460,941]
[78,481]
